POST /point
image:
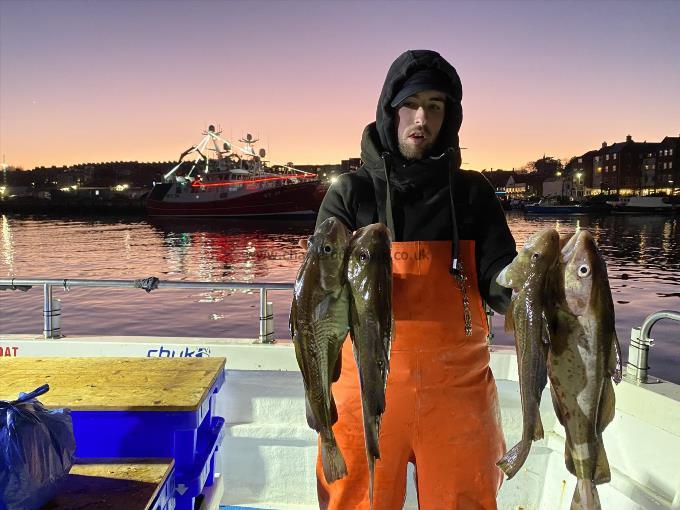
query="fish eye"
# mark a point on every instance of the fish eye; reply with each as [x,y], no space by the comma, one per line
[583,270]
[327,248]
[363,256]
[535,256]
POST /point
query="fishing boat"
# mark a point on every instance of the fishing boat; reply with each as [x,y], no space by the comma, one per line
[267,455]
[645,205]
[236,181]
[553,206]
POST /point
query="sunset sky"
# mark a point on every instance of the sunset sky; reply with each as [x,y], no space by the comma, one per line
[91,81]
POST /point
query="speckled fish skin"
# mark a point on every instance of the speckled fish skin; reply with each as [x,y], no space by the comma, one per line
[530,276]
[584,356]
[369,273]
[319,323]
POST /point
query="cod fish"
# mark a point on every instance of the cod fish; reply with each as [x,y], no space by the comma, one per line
[319,322]
[369,273]
[530,275]
[583,358]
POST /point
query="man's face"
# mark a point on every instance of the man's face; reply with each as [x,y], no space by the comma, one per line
[419,120]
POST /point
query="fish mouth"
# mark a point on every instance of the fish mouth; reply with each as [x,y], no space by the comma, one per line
[503,279]
[568,249]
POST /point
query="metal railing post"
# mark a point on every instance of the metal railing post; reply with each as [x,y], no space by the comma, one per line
[266,318]
[638,354]
[640,342]
[51,314]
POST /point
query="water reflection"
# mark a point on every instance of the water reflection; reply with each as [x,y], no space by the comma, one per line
[642,255]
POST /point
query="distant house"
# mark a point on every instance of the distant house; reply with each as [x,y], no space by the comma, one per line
[667,168]
[583,178]
[557,187]
[524,185]
[621,166]
[350,165]
[498,179]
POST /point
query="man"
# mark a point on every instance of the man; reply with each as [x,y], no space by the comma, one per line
[450,242]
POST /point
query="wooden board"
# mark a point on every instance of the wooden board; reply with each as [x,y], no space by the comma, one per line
[117,485]
[113,384]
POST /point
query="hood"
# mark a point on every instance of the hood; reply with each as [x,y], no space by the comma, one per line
[401,69]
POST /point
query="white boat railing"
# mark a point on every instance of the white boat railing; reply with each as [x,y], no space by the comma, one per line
[52,307]
[640,342]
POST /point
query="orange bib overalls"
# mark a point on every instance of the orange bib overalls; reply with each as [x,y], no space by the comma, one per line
[442,409]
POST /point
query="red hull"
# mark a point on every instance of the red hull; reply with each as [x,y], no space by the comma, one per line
[293,199]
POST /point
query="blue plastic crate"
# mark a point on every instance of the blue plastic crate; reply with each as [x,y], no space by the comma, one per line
[192,481]
[165,499]
[190,437]
[134,434]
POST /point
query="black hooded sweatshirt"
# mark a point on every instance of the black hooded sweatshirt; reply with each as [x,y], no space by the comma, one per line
[416,200]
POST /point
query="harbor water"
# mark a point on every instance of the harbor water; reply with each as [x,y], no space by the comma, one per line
[642,254]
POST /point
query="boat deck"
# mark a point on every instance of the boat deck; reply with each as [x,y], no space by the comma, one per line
[268,456]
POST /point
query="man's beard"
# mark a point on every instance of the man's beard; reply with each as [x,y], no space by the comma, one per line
[413,153]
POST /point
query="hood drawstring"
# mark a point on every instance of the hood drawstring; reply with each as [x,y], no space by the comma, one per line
[455,251]
[385,156]
[454,269]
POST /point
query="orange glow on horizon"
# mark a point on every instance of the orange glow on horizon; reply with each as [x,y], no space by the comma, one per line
[531,85]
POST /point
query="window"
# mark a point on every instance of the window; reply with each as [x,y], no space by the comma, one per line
[580,160]
[607,157]
[614,156]
[670,152]
[664,166]
[665,152]
[613,168]
[670,164]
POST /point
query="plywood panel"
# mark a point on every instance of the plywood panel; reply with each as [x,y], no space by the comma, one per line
[132,384]
[105,485]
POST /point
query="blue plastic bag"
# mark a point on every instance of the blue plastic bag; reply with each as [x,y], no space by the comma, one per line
[36,451]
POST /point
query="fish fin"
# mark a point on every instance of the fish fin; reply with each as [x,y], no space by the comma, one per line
[333,463]
[337,369]
[585,496]
[556,405]
[292,318]
[607,406]
[602,471]
[568,458]
[509,319]
[514,459]
[538,427]
[546,335]
[615,359]
[371,478]
[322,308]
[311,419]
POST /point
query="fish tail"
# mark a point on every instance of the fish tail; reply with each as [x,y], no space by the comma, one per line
[585,496]
[514,459]
[334,466]
[538,428]
[602,472]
